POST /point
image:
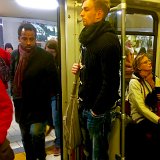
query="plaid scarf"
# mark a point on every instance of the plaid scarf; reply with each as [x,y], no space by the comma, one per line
[22,64]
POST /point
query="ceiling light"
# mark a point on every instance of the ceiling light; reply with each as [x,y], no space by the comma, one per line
[39,4]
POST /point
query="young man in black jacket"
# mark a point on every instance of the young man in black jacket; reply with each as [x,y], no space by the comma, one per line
[99,77]
[34,80]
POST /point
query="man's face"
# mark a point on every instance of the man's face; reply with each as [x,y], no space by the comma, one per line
[27,40]
[88,13]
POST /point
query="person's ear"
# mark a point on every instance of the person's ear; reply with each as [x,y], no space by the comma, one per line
[19,38]
[99,15]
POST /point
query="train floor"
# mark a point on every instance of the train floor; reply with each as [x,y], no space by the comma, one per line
[14,137]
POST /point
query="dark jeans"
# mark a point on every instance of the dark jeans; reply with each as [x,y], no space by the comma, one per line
[33,139]
[95,131]
[142,141]
[56,120]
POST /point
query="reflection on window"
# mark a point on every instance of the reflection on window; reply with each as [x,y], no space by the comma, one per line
[139,23]
[140,31]
[140,43]
[45,30]
[134,22]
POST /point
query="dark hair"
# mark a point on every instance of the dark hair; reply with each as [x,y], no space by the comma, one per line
[151,100]
[26,26]
[8,45]
[142,50]
[53,44]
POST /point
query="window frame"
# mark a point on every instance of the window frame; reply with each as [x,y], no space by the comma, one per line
[154,33]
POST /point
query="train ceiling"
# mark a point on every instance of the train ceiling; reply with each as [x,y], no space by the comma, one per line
[148,4]
[10,8]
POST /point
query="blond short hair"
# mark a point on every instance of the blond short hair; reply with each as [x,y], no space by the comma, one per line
[102,4]
[137,62]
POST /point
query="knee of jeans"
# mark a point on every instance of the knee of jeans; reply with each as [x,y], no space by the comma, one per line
[37,129]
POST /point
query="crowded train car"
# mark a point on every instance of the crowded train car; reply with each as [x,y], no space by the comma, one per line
[136,24]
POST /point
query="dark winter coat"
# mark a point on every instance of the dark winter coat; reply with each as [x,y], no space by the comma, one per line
[99,74]
[39,83]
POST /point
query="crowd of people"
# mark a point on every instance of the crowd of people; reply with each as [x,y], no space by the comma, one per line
[34,86]
[35,90]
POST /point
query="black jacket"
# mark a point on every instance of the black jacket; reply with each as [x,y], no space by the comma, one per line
[99,75]
[40,82]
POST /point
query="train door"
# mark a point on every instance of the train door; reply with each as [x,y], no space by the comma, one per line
[70,26]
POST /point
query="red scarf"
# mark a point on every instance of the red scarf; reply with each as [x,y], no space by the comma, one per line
[17,82]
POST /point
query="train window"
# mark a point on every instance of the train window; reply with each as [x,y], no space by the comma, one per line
[9,26]
[141,30]
[141,43]
[134,22]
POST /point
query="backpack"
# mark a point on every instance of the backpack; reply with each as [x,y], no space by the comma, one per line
[4,71]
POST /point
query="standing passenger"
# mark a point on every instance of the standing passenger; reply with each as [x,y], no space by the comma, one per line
[99,77]
[52,47]
[9,48]
[128,66]
[33,79]
[6,111]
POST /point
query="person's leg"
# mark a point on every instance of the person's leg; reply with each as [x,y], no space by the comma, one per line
[87,145]
[27,142]
[99,127]
[37,132]
[56,121]
[56,124]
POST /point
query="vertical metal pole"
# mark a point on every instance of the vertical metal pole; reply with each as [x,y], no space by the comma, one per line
[123,18]
[61,22]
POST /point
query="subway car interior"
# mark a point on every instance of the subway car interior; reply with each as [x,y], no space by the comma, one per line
[135,21]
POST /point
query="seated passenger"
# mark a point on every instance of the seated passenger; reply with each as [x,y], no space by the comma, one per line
[147,123]
[128,65]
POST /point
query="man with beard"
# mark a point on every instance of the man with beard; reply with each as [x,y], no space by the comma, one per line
[33,73]
[99,77]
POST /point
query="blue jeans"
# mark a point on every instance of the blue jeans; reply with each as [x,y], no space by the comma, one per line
[56,120]
[95,130]
[33,139]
